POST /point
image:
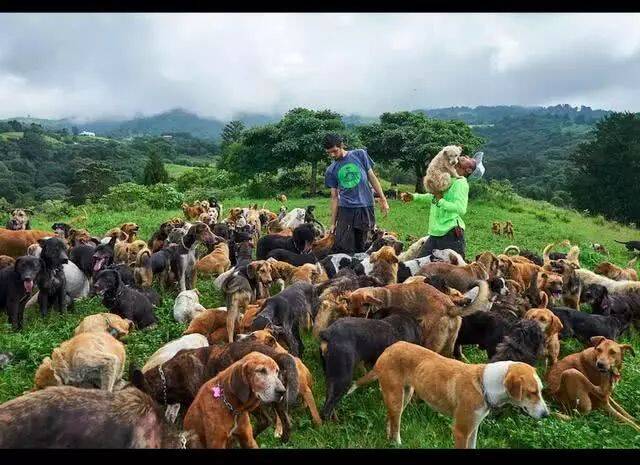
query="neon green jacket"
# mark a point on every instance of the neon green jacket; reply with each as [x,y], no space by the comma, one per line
[447,212]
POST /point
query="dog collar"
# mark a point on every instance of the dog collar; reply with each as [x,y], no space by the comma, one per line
[218,393]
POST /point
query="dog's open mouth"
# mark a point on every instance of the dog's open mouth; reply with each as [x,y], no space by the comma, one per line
[100,292]
[28,285]
[556,294]
[97,264]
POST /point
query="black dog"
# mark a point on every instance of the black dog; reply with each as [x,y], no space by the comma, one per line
[123,300]
[300,242]
[61,229]
[630,245]
[51,281]
[16,284]
[604,303]
[487,329]
[289,309]
[583,326]
[292,258]
[348,341]
[102,256]
[523,343]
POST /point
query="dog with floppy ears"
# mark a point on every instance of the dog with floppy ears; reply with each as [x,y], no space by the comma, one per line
[469,393]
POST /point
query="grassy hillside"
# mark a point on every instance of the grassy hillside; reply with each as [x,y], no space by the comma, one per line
[176,170]
[362,414]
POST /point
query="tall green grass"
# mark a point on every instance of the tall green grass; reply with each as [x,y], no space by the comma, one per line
[361,416]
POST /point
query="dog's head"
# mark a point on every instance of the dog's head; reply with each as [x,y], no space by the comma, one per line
[108,280]
[596,294]
[102,256]
[303,237]
[201,232]
[551,283]
[527,333]
[255,374]
[524,389]
[78,236]
[235,214]
[131,230]
[549,323]
[498,286]
[54,252]
[386,240]
[62,230]
[46,376]
[385,254]
[608,354]
[19,219]
[491,263]
[117,326]
[27,268]
[452,153]
[607,269]
[260,270]
[361,300]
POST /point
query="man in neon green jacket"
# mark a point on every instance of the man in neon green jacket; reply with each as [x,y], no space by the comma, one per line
[446,227]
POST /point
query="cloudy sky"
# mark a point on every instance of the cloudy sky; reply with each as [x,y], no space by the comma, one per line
[107,65]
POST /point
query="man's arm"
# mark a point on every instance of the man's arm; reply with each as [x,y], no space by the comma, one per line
[373,179]
[334,208]
[459,201]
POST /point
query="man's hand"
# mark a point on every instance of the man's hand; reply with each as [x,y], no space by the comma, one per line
[406,197]
[332,230]
[384,207]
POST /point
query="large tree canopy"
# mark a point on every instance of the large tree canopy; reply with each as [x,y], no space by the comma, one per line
[412,139]
[608,168]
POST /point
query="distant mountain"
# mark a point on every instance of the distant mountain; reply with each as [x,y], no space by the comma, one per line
[177,120]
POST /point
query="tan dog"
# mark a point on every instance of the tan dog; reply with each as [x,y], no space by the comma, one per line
[332,307]
[142,272]
[507,230]
[6,260]
[191,212]
[221,408]
[519,269]
[616,273]
[19,220]
[282,198]
[551,327]
[323,247]
[385,265]
[442,169]
[461,278]
[465,392]
[496,228]
[551,284]
[491,263]
[133,249]
[216,263]
[131,230]
[585,381]
[86,360]
[439,316]
[78,236]
[110,323]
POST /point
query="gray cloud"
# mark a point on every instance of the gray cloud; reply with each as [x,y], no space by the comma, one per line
[108,65]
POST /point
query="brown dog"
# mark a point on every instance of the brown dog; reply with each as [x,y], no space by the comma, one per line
[105,323]
[15,243]
[439,316]
[507,230]
[385,265]
[461,278]
[323,246]
[221,408]
[492,264]
[551,326]
[496,228]
[585,381]
[616,273]
[211,323]
[282,198]
[131,230]
[216,263]
[6,260]
[463,391]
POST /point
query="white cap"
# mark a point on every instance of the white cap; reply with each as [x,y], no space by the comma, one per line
[480,169]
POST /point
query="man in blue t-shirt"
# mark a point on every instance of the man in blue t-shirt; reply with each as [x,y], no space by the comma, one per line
[352,213]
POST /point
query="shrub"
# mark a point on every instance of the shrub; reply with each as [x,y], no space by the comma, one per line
[208,177]
[164,196]
[55,208]
[600,220]
[125,196]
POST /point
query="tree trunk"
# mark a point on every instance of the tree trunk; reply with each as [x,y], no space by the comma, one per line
[314,175]
[421,170]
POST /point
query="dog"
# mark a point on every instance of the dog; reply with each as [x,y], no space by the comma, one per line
[528,254]
[413,250]
[496,228]
[507,230]
[293,258]
[105,323]
[385,265]
[221,407]
[281,198]
[123,300]
[461,278]
[585,380]
[19,220]
[187,306]
[486,329]
[143,271]
[524,342]
[216,263]
[439,316]
[212,323]
[6,261]
[184,259]
[584,326]
[587,278]
[630,245]
[93,359]
[62,230]
[604,303]
[192,212]
[600,249]
[159,236]
[616,273]
[349,341]
[442,168]
[300,243]
[171,348]
[67,417]
[551,325]
[51,280]
[470,393]
[16,284]
[15,243]
[289,310]
[159,264]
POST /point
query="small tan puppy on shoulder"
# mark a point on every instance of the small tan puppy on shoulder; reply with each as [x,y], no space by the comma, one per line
[442,168]
[468,394]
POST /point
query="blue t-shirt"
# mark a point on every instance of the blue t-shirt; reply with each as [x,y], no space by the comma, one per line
[349,176]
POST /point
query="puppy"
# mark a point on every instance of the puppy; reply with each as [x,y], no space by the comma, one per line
[442,168]
[187,306]
[93,359]
[105,323]
[585,381]
[171,348]
[551,326]
[470,393]
[221,407]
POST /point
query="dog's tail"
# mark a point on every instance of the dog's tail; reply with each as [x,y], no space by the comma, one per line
[573,255]
[479,304]
[370,377]
[144,258]
[512,248]
[620,242]
[546,252]
[287,364]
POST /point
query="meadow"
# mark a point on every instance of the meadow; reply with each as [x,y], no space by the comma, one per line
[361,416]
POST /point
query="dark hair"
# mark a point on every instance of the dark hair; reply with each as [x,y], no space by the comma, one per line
[332,140]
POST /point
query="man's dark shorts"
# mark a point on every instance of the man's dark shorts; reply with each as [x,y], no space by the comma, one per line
[448,241]
[353,227]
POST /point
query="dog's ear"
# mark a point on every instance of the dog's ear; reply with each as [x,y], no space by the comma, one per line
[252,270]
[544,299]
[514,386]
[42,242]
[628,347]
[597,340]
[556,325]
[239,383]
[368,298]
[131,324]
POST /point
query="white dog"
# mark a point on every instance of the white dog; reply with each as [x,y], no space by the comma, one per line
[170,349]
[186,306]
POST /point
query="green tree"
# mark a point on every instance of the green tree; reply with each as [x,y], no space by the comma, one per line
[232,132]
[608,169]
[411,140]
[154,170]
[91,180]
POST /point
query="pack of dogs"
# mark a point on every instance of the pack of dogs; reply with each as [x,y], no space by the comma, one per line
[387,313]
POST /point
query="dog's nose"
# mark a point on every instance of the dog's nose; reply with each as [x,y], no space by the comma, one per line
[600,365]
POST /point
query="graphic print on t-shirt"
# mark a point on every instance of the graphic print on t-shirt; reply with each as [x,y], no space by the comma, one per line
[349,176]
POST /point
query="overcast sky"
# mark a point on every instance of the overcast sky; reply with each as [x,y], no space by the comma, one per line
[107,65]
